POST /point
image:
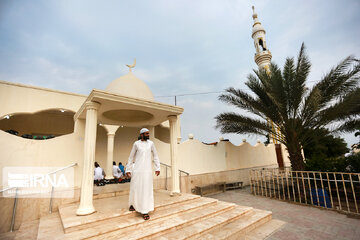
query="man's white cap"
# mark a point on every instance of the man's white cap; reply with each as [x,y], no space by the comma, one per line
[143,130]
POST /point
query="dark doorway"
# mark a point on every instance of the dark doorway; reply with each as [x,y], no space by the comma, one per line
[279,156]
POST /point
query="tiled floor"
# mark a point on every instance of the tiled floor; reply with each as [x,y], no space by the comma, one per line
[303,222]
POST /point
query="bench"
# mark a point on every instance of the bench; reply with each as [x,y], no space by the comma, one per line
[209,189]
[216,188]
[233,185]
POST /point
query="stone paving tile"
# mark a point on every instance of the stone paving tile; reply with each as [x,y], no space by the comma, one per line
[302,222]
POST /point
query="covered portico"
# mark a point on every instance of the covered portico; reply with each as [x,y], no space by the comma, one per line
[114,110]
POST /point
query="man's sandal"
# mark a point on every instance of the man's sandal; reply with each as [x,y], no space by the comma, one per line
[131,208]
[146,216]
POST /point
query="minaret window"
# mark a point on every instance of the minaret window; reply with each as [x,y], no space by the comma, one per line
[261,43]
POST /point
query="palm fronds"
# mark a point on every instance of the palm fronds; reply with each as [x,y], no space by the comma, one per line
[283,98]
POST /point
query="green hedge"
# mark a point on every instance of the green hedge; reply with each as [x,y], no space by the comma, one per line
[344,164]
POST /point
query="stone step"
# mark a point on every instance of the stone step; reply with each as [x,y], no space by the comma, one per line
[111,190]
[7,235]
[50,227]
[239,227]
[263,231]
[214,223]
[28,230]
[99,195]
[181,217]
[110,194]
[135,220]
[161,226]
[71,222]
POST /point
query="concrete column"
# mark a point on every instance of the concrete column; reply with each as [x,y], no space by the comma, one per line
[175,188]
[111,130]
[178,130]
[86,198]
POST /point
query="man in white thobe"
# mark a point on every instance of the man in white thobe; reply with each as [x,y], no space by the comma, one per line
[139,169]
[116,171]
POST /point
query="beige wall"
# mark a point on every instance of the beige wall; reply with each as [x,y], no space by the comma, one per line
[247,156]
[56,152]
[197,158]
[60,151]
[239,175]
[162,133]
[26,99]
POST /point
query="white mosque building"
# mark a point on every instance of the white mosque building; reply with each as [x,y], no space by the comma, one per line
[45,127]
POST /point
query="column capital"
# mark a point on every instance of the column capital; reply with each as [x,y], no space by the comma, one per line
[92,105]
[172,118]
[110,129]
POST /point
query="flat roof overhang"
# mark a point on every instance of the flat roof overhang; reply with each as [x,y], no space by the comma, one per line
[127,111]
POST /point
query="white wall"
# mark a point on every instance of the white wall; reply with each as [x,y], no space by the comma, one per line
[20,98]
[56,152]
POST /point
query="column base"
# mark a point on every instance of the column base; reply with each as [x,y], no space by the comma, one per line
[85,211]
[173,194]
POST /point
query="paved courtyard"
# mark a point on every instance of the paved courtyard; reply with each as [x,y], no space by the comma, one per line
[302,222]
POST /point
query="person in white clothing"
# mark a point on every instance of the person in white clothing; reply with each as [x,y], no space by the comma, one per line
[139,169]
[116,171]
[99,174]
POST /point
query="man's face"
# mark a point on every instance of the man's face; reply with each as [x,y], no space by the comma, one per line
[146,135]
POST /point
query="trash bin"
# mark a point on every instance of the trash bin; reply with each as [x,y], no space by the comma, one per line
[320,193]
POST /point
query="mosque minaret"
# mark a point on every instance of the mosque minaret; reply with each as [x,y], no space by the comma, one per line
[263,59]
[262,55]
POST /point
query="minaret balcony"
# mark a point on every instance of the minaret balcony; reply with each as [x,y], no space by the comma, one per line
[263,57]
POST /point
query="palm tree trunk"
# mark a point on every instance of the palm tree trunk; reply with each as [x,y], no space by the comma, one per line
[296,159]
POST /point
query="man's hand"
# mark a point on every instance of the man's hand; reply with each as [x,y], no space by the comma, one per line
[128,174]
[157,173]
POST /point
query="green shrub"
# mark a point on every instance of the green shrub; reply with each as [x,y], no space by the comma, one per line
[344,164]
[354,163]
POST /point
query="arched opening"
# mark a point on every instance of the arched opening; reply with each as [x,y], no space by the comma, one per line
[261,43]
[41,125]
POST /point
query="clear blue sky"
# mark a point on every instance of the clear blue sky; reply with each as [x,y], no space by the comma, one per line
[181,46]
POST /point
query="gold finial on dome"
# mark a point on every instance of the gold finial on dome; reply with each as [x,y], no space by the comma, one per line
[254,14]
[131,66]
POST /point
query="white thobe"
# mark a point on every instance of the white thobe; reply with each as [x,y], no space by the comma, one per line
[141,186]
[116,171]
[98,173]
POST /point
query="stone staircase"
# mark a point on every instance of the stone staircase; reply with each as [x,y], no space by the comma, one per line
[182,217]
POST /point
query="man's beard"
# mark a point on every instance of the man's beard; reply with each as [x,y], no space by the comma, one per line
[146,138]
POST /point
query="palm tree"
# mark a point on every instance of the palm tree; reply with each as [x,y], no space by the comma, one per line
[283,98]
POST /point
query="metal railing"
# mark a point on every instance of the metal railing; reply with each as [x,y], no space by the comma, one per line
[330,190]
[16,196]
[166,174]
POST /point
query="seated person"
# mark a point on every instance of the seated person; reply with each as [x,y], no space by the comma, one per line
[122,168]
[116,172]
[99,175]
